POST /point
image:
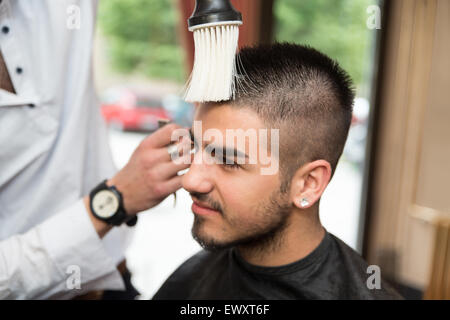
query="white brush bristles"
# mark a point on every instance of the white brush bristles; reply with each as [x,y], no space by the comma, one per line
[214,72]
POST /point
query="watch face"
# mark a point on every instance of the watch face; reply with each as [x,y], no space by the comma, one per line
[105,204]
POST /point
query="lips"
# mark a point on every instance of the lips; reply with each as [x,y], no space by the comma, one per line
[202,209]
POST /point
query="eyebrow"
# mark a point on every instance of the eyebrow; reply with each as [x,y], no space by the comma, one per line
[225,151]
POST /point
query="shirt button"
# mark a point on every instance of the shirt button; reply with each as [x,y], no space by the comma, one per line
[19,70]
[5,29]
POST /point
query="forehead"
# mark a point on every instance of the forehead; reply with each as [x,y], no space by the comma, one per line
[242,125]
[225,116]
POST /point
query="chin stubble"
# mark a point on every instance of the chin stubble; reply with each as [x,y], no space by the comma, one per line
[267,235]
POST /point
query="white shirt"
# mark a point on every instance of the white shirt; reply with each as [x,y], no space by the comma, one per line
[52,155]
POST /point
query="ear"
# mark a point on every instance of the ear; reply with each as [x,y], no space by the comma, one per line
[309,183]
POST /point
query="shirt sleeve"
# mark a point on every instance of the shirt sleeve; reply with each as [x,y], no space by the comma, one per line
[61,258]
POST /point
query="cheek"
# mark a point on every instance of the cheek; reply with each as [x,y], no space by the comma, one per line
[242,197]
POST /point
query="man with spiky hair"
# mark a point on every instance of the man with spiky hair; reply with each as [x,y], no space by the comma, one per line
[262,232]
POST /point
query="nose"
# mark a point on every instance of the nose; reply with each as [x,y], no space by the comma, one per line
[198,178]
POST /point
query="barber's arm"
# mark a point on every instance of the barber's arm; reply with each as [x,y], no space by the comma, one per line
[40,263]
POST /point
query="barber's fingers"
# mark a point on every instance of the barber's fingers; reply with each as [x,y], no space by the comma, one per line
[169,169]
[171,185]
[179,150]
[164,136]
[172,151]
[160,155]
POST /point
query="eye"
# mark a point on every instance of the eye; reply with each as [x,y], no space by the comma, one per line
[233,166]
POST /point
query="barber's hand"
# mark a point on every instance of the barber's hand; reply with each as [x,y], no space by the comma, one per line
[150,175]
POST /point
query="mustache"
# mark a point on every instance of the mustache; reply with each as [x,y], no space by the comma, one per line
[205,198]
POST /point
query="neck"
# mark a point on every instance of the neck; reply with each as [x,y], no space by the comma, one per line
[302,234]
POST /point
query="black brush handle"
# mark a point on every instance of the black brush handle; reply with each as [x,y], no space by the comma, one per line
[212,11]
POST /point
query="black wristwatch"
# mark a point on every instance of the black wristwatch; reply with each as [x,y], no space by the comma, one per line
[106,204]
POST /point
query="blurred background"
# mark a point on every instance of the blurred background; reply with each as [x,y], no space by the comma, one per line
[144,54]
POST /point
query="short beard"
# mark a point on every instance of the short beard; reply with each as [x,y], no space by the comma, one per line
[262,238]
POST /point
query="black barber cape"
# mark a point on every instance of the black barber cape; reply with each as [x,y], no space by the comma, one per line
[331,271]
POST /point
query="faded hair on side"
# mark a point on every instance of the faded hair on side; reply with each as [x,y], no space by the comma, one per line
[302,92]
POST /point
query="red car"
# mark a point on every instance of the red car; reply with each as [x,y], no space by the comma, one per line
[128,110]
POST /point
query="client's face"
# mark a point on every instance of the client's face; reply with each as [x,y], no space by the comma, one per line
[234,204]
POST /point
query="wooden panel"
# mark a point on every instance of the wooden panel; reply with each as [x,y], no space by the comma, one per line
[433,179]
[433,185]
[414,238]
[411,140]
[439,284]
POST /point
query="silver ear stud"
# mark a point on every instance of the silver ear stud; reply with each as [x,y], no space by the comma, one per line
[304,202]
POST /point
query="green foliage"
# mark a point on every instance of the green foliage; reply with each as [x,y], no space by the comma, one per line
[335,27]
[141,37]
